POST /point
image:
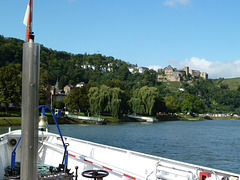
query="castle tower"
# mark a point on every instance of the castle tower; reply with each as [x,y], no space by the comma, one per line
[186,69]
[168,70]
[204,75]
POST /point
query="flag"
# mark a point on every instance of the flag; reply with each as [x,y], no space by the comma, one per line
[28,19]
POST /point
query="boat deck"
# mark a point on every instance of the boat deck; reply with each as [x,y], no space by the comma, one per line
[119,163]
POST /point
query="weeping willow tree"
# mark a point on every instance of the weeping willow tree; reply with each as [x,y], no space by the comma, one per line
[105,99]
[136,103]
[115,107]
[93,96]
[98,98]
[115,104]
[145,100]
[149,96]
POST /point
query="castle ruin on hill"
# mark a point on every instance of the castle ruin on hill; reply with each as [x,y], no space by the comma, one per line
[172,74]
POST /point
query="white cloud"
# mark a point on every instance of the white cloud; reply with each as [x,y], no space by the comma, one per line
[173,3]
[155,67]
[214,69]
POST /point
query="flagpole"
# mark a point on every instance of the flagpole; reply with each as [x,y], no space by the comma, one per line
[27,21]
[30,101]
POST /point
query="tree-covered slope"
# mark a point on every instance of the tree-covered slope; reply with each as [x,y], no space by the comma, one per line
[112,78]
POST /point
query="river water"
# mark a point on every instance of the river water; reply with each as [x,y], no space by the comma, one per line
[210,143]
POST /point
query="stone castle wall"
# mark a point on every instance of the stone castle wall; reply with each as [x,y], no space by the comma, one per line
[179,75]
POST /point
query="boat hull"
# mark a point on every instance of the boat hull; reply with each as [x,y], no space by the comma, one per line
[120,163]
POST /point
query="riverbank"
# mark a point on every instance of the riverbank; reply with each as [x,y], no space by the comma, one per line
[16,121]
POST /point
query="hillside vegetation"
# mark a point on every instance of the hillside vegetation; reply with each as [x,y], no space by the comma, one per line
[113,91]
[232,83]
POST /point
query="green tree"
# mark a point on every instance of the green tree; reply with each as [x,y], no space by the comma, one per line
[58,104]
[171,103]
[191,104]
[116,83]
[93,99]
[186,106]
[136,104]
[78,98]
[149,96]
[98,98]
[146,100]
[10,86]
[44,89]
[72,99]
[116,101]
[123,73]
[149,77]
[106,99]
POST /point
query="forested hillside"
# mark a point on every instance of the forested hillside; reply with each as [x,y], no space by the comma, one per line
[110,87]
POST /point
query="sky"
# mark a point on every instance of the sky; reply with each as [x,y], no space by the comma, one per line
[201,34]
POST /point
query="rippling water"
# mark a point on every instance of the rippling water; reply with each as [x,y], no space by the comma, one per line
[211,143]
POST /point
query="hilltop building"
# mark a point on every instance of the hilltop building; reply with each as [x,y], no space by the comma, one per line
[137,69]
[81,84]
[59,94]
[172,74]
[67,89]
[86,66]
[103,69]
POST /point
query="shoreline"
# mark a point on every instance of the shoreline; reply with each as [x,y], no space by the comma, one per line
[16,121]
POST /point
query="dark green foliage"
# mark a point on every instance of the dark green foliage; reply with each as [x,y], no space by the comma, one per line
[113,88]
[10,86]
[68,68]
[146,100]
[78,99]
[190,103]
[106,99]
[215,97]
[58,104]
[10,51]
[171,104]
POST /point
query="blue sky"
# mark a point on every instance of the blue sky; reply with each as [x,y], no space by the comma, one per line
[201,34]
